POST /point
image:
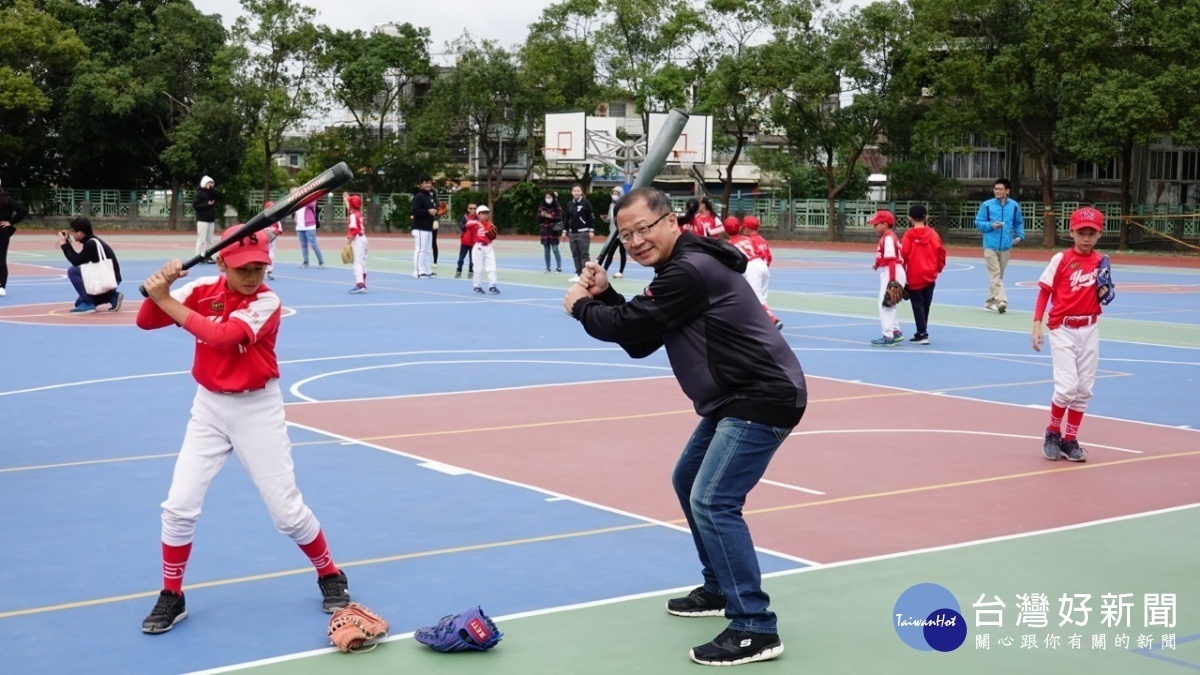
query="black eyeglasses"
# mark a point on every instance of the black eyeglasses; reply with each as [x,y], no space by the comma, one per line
[626,237]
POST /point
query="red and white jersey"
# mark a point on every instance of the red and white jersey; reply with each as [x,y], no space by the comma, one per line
[707,225]
[753,250]
[235,333]
[478,231]
[887,254]
[354,224]
[1071,279]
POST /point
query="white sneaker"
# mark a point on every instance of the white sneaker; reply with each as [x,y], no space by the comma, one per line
[989,307]
[574,279]
[618,275]
[3,292]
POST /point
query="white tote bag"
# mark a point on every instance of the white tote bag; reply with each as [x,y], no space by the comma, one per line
[99,277]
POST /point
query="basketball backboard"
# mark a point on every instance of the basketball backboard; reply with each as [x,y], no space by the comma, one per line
[695,143]
[566,137]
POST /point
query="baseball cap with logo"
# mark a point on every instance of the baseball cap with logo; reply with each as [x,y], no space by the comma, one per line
[250,249]
[1087,217]
[882,217]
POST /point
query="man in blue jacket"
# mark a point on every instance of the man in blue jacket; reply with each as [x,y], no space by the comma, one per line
[1002,225]
[745,383]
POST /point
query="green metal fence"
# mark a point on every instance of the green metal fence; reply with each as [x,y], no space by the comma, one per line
[773,211]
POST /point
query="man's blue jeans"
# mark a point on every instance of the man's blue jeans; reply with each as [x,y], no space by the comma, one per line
[76,278]
[722,462]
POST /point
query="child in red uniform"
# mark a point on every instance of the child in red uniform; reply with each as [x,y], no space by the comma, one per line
[356,234]
[745,236]
[238,409]
[1068,285]
[483,255]
[924,259]
[890,263]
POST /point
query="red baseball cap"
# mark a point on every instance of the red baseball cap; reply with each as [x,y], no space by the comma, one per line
[251,249]
[1087,217]
[731,225]
[750,222]
[882,217]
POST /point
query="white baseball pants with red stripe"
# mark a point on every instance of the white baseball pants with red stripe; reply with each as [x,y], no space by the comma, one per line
[251,425]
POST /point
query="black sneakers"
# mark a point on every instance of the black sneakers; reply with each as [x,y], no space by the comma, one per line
[168,611]
[335,592]
[697,603]
[1052,446]
[1072,452]
[735,647]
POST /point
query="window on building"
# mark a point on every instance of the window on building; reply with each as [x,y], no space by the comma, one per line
[1163,165]
[1189,161]
[293,160]
[616,109]
[1093,171]
[976,158]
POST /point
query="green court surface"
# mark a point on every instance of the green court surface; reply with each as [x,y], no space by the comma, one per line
[839,618]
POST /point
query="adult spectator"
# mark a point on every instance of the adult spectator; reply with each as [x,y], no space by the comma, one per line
[11,213]
[306,231]
[550,229]
[1003,227]
[424,214]
[89,252]
[205,205]
[581,222]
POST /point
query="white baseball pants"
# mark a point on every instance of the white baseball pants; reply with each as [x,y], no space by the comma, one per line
[1075,353]
[888,321]
[759,276]
[422,252]
[359,246]
[251,425]
[484,260]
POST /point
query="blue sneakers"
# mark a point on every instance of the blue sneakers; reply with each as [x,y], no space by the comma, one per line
[86,308]
[885,342]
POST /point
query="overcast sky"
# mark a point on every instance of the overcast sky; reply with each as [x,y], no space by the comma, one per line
[506,21]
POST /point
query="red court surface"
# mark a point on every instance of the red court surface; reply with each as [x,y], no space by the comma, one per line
[958,470]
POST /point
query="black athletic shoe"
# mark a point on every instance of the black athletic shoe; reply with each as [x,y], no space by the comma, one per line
[335,592]
[1052,446]
[1072,452]
[697,603]
[168,611]
[735,647]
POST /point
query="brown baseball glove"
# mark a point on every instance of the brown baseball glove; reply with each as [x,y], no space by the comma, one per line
[443,207]
[893,294]
[353,626]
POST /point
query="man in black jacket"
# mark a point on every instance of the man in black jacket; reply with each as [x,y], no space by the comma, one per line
[205,205]
[424,214]
[745,383]
[81,231]
[580,222]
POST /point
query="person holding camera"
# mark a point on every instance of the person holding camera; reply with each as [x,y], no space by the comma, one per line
[89,252]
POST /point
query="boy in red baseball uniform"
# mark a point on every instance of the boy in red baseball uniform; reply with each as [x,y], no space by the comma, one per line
[1069,286]
[924,259]
[745,236]
[356,234]
[890,263]
[483,255]
[238,408]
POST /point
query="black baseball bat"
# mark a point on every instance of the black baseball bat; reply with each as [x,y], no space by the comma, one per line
[656,156]
[331,179]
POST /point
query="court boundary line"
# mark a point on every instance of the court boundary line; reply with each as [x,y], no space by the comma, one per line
[283,658]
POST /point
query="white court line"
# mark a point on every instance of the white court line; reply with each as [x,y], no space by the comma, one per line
[439,467]
[816,569]
[797,488]
[294,390]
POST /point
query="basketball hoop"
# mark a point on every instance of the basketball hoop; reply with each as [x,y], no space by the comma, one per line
[685,158]
[554,156]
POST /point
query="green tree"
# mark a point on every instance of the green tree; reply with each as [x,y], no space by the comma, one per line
[482,99]
[734,90]
[38,58]
[371,77]
[812,72]
[277,77]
